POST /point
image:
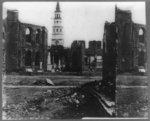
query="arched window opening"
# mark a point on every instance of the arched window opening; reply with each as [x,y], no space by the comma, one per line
[141,31]
[141,35]
[28,33]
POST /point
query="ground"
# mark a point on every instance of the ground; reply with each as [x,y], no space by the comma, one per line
[132,96]
[22,99]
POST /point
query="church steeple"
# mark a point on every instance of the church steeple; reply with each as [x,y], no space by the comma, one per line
[57,36]
[57,8]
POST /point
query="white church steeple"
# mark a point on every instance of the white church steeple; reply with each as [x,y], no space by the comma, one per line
[57,35]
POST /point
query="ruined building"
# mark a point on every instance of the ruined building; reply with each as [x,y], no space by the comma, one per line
[26,44]
[77,56]
[109,59]
[94,55]
[130,41]
[109,52]
[86,59]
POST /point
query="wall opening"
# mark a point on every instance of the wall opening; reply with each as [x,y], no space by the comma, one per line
[28,34]
[141,35]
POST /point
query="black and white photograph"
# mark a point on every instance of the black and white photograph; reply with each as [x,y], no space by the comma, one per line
[74,60]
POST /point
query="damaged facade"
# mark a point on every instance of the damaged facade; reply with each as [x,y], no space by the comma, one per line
[77,58]
[86,59]
[109,52]
[26,44]
[130,40]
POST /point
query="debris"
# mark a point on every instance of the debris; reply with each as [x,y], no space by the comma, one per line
[28,70]
[49,81]
[74,94]
[49,91]
[77,101]
[83,96]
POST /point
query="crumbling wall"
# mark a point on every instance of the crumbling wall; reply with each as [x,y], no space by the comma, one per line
[131,42]
[94,46]
[125,44]
[109,57]
[77,56]
[26,44]
[140,51]
[12,26]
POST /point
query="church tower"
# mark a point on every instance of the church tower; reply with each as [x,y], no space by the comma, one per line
[57,35]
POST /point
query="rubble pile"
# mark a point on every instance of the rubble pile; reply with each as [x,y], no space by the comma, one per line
[62,103]
[100,86]
[59,103]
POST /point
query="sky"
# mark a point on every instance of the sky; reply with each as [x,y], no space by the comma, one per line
[81,20]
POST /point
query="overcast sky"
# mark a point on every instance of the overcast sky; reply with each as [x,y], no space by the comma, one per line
[81,20]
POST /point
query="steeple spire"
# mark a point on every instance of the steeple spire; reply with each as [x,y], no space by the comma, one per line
[57,36]
[57,7]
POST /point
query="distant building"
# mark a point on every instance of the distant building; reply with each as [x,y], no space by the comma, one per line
[94,55]
[130,40]
[57,46]
[57,36]
[86,59]
[95,45]
[25,44]
[78,58]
